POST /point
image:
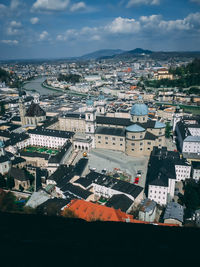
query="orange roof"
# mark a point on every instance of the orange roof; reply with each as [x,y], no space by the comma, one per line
[90,211]
[133,87]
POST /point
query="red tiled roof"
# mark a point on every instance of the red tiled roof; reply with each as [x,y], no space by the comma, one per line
[90,211]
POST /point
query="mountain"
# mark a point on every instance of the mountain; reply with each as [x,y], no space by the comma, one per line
[138,51]
[101,53]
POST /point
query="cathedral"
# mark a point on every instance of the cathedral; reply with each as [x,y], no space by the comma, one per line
[135,136]
[31,116]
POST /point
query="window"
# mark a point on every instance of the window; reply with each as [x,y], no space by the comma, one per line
[113,138]
[99,137]
[140,148]
[143,118]
[99,142]
[132,149]
[120,144]
[88,117]
[141,136]
[141,144]
[133,136]
[148,143]
[106,138]
[133,144]
[113,144]
[106,143]
[137,119]
[148,148]
[121,139]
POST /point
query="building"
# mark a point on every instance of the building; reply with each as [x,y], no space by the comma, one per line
[196,170]
[161,175]
[31,116]
[94,212]
[136,135]
[174,213]
[5,163]
[21,178]
[147,210]
[188,136]
[41,136]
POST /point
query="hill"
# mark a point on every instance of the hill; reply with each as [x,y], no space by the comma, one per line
[101,53]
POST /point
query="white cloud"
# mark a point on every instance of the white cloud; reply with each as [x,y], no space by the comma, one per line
[50,5]
[15,24]
[34,20]
[14,4]
[146,26]
[143,2]
[123,25]
[195,1]
[43,36]
[10,42]
[78,6]
[14,28]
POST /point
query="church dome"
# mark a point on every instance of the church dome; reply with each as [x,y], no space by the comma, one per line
[135,128]
[1,144]
[139,109]
[89,103]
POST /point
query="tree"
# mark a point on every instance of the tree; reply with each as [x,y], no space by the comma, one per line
[2,181]
[168,130]
[7,201]
[67,213]
[10,182]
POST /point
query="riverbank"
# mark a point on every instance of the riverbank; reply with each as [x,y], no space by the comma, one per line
[70,92]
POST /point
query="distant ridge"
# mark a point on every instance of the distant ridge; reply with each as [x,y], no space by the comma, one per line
[102,53]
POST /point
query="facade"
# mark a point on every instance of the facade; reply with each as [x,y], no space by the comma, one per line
[196,170]
[174,213]
[5,163]
[147,210]
[49,138]
[188,137]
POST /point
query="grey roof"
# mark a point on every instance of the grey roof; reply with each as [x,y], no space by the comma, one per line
[147,205]
[18,174]
[110,131]
[120,201]
[192,138]
[115,184]
[37,199]
[174,211]
[48,132]
[113,121]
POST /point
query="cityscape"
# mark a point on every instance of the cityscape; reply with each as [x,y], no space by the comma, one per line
[100,117]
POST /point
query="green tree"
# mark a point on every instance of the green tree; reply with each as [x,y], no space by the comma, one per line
[7,201]
[10,183]
[168,130]
[2,181]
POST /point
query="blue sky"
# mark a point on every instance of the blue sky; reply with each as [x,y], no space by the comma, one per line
[64,28]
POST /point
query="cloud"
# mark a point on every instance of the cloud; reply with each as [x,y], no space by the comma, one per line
[145,27]
[123,25]
[143,2]
[14,28]
[10,42]
[14,4]
[195,1]
[10,10]
[78,6]
[43,36]
[50,5]
[34,20]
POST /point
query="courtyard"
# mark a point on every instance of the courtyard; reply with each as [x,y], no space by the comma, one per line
[108,160]
[44,150]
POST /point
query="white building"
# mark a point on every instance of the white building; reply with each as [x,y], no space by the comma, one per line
[49,138]
[196,170]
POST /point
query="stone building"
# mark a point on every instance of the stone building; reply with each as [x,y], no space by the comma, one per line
[136,135]
[31,116]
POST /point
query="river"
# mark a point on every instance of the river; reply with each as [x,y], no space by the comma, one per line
[36,84]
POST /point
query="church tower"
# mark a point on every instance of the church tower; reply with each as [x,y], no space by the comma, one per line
[90,120]
[101,105]
[22,112]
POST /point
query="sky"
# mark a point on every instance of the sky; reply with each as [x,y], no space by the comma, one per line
[33,29]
